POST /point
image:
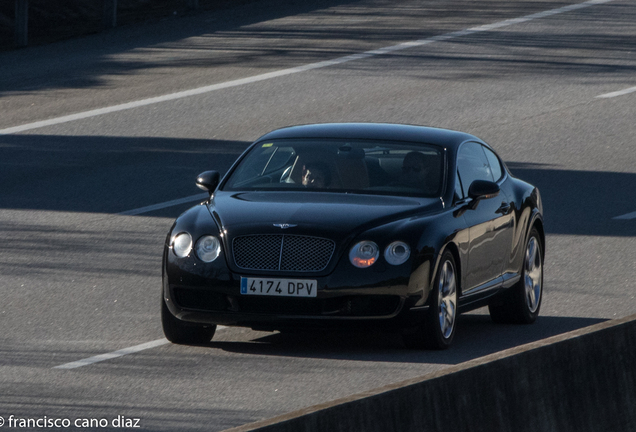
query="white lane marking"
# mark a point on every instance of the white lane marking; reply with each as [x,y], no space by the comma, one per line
[617,93]
[626,216]
[198,197]
[119,353]
[112,355]
[294,70]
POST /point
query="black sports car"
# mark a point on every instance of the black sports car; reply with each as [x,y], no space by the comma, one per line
[356,225]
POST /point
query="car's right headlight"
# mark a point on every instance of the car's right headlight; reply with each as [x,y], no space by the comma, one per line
[208,248]
[364,254]
[182,244]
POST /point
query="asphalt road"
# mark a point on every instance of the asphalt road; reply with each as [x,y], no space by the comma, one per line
[80,279]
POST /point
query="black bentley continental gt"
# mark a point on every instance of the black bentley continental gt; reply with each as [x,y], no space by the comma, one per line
[363,226]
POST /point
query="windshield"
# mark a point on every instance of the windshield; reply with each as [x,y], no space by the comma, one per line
[390,168]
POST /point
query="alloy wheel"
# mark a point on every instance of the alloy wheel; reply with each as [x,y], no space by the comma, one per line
[447,299]
[533,278]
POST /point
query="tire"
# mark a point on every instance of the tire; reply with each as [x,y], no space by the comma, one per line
[521,303]
[179,332]
[440,322]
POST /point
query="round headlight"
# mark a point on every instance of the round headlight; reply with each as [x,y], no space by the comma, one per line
[364,254]
[397,253]
[182,244]
[208,248]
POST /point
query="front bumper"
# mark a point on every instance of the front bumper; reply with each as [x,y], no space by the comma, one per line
[212,295]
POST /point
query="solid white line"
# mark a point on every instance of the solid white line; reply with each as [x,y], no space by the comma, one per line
[626,216]
[119,353]
[115,354]
[617,93]
[198,197]
[294,70]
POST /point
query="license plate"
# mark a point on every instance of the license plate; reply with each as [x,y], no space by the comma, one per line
[279,287]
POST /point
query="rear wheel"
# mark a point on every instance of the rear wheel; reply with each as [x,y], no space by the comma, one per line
[438,329]
[179,332]
[521,303]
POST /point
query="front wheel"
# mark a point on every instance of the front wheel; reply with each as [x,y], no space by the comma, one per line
[179,332]
[521,303]
[438,329]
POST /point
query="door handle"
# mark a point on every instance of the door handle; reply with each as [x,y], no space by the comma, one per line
[505,208]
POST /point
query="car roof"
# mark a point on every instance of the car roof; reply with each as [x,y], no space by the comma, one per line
[373,131]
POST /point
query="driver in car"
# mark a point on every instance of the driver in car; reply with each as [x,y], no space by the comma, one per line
[416,172]
[316,175]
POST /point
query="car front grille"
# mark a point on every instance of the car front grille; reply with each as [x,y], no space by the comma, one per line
[282,252]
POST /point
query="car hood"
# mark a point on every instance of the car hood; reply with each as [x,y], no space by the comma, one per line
[331,215]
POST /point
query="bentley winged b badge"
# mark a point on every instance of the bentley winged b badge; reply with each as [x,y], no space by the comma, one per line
[284,226]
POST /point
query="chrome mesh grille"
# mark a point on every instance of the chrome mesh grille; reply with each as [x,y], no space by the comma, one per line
[282,252]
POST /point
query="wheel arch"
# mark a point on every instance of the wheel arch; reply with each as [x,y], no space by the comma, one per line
[538,224]
[454,250]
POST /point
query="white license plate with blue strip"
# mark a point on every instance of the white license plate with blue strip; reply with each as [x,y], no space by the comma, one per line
[279,287]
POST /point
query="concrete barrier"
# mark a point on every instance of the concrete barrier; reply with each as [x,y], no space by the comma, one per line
[580,381]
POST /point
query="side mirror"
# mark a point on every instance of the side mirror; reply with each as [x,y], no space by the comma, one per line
[208,181]
[483,189]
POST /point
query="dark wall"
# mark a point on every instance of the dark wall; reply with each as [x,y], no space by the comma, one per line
[583,381]
[53,20]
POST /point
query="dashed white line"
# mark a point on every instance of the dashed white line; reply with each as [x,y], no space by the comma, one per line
[119,353]
[294,70]
[192,198]
[626,216]
[617,93]
[112,355]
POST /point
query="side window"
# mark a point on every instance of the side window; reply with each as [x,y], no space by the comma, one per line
[495,164]
[472,165]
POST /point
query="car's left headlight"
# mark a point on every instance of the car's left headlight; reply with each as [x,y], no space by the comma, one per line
[397,253]
[208,248]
